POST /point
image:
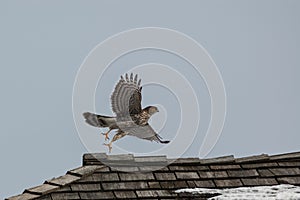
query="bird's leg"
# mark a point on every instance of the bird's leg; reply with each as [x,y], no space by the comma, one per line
[106,134]
[109,146]
[117,136]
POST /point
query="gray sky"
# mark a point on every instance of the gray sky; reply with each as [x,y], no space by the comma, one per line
[255,44]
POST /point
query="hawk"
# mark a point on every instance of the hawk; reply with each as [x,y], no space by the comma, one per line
[130,118]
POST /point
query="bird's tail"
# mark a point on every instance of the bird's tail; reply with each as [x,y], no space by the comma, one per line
[98,120]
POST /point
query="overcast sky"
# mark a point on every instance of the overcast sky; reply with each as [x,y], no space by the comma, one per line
[255,45]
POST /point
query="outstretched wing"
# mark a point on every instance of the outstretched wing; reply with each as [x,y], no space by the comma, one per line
[126,97]
[144,132]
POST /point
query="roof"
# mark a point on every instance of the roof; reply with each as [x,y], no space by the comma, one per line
[126,176]
[273,192]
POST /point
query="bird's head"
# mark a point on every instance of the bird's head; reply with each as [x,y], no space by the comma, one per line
[151,110]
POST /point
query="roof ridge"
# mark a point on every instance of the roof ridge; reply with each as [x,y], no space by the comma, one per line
[104,159]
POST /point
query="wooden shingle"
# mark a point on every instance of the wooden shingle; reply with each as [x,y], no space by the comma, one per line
[188,168]
[63,180]
[286,156]
[96,195]
[173,185]
[42,189]
[265,173]
[242,173]
[44,197]
[86,187]
[127,177]
[259,181]
[84,170]
[213,174]
[136,176]
[165,176]
[24,196]
[125,194]
[285,171]
[289,163]
[186,175]
[223,159]
[228,183]
[125,185]
[65,196]
[154,193]
[103,177]
[249,159]
[259,165]
[154,185]
[225,166]
[289,180]
[201,184]
[151,159]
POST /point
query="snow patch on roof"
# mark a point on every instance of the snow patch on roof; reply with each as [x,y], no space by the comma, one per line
[277,192]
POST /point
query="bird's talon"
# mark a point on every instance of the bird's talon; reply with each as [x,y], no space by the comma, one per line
[106,136]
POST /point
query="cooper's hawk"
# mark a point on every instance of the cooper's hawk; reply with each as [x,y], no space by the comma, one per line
[130,118]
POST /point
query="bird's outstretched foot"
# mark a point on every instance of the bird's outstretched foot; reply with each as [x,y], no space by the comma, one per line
[106,135]
[109,146]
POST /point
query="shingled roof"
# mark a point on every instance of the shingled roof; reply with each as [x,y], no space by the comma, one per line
[127,176]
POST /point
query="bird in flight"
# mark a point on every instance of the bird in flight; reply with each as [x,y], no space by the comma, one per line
[130,118]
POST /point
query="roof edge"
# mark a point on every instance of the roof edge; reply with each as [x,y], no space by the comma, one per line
[56,183]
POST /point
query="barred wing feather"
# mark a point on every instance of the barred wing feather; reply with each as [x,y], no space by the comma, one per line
[126,97]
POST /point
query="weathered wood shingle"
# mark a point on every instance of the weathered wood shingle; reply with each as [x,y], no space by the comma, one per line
[42,189]
[24,196]
[63,180]
[128,177]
